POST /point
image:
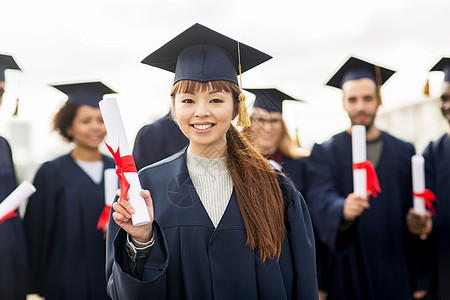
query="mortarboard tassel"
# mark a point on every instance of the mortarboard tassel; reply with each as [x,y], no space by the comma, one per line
[426,88]
[379,83]
[244,120]
[297,139]
[16,111]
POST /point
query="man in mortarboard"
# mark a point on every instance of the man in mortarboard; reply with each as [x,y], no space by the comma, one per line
[437,171]
[370,253]
[158,140]
[13,259]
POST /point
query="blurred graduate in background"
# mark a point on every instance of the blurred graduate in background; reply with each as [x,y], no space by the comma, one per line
[13,258]
[437,170]
[157,141]
[270,136]
[370,253]
[66,250]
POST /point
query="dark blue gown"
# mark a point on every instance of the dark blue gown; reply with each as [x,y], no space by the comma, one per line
[66,250]
[13,256]
[157,141]
[437,166]
[377,257]
[193,260]
[295,170]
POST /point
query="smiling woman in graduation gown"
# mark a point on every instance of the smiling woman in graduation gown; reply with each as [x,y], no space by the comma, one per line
[67,251]
[195,252]
[270,136]
[13,257]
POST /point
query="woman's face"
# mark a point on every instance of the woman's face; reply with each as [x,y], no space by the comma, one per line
[87,129]
[204,117]
[266,129]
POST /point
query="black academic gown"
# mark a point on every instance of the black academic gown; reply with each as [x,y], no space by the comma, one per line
[295,170]
[66,250]
[376,258]
[437,166]
[193,260]
[13,256]
[157,141]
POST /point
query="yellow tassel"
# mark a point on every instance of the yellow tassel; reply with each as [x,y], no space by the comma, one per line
[244,120]
[380,101]
[297,139]
[426,88]
[16,111]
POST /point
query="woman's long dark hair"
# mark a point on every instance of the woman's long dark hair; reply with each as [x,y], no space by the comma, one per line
[256,185]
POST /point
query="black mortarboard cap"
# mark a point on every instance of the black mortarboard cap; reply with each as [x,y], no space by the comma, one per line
[270,99]
[85,93]
[355,68]
[202,54]
[444,66]
[7,62]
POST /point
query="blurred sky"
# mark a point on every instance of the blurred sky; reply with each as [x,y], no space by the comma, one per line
[57,41]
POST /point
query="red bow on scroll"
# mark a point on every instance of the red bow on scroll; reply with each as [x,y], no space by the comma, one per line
[372,179]
[11,214]
[104,217]
[428,196]
[124,164]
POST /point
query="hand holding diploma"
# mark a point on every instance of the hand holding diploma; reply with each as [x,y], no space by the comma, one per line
[10,204]
[364,174]
[125,167]
[123,211]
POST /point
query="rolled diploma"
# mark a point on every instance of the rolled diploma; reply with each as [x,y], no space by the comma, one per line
[418,181]
[359,155]
[111,186]
[22,192]
[117,137]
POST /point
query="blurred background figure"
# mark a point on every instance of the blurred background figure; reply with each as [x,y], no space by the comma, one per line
[270,136]
[370,254]
[67,252]
[157,141]
[13,258]
[437,168]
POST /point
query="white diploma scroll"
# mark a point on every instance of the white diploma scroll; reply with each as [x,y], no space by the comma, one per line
[418,181]
[22,192]
[111,186]
[117,139]
[359,155]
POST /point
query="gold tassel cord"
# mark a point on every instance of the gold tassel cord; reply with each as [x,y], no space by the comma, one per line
[426,88]
[379,83]
[297,139]
[244,120]
[16,111]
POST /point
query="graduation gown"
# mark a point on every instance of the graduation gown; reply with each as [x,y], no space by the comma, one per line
[191,259]
[13,256]
[376,257]
[157,141]
[66,250]
[295,169]
[437,168]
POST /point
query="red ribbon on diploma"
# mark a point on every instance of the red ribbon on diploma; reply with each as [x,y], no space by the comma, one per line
[372,179]
[104,217]
[11,214]
[124,164]
[429,197]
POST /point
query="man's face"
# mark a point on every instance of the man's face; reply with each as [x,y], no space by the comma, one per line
[2,90]
[361,101]
[445,101]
